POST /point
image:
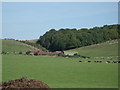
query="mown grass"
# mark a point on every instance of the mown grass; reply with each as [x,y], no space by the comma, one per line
[101,50]
[59,72]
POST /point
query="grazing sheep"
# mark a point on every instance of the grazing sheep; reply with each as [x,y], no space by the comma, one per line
[89,61]
[95,61]
[100,61]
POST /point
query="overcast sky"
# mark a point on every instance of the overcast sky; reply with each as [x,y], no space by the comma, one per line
[30,20]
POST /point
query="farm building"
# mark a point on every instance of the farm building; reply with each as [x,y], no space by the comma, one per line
[70,52]
[41,53]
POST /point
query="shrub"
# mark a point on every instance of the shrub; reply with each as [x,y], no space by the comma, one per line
[20,52]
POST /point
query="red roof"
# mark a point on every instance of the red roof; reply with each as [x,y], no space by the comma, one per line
[43,53]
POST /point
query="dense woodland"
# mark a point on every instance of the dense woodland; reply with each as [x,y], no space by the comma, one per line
[64,39]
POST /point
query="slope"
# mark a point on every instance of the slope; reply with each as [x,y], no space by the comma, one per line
[107,49]
[15,46]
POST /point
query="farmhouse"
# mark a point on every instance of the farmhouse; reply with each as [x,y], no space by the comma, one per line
[41,53]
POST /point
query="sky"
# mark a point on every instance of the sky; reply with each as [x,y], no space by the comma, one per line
[30,20]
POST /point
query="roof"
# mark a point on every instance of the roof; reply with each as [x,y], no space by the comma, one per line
[41,52]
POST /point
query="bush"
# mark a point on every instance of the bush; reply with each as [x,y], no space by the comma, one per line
[20,52]
[75,54]
[3,52]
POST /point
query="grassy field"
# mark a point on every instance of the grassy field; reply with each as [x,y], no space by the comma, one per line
[15,46]
[108,49]
[59,72]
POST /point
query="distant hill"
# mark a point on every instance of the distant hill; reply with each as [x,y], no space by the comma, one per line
[15,46]
[106,49]
[32,41]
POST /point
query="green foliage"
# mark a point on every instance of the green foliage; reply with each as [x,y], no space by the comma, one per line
[65,39]
[75,54]
[20,53]
[3,52]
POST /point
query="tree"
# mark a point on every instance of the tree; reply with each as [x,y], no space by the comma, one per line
[65,39]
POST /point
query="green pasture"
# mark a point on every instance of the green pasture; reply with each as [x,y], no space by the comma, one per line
[15,46]
[60,72]
[101,50]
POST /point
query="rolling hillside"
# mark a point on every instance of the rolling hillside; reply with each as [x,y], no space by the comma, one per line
[15,46]
[33,43]
[107,49]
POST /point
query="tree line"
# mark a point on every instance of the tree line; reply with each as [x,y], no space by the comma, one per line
[64,39]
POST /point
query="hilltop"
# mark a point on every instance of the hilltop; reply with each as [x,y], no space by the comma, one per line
[32,41]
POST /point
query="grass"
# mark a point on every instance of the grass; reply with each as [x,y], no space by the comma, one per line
[101,50]
[59,72]
[15,46]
